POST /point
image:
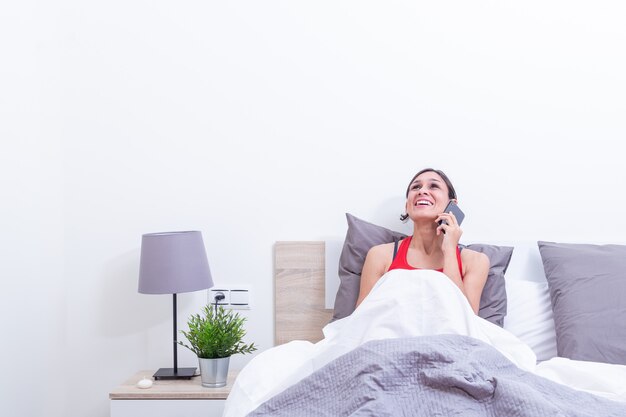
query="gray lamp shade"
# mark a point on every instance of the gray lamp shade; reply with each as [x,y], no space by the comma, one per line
[173,262]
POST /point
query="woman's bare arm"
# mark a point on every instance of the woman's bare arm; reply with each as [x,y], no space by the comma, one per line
[476,272]
[376,263]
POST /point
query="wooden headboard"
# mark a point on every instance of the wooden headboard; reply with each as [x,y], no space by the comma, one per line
[299,285]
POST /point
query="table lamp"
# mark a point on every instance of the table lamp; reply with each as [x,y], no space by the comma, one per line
[171,263]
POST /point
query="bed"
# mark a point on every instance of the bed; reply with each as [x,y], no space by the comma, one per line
[374,362]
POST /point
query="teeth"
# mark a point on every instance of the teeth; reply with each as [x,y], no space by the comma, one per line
[424,203]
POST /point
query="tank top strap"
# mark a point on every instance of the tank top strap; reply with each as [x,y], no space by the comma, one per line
[399,259]
[395,249]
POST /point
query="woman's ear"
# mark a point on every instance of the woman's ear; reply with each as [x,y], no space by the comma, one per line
[405,216]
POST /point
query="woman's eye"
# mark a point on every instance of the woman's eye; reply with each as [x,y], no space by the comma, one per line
[415,187]
[434,186]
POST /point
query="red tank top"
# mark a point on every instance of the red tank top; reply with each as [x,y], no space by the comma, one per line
[400,262]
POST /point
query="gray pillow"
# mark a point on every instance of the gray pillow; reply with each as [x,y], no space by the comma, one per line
[361,236]
[588,294]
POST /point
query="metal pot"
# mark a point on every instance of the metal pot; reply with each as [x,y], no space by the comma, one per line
[214,372]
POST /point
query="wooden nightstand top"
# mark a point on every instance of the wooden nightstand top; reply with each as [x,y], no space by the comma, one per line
[190,389]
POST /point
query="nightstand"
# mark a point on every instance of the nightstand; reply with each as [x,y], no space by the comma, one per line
[169,398]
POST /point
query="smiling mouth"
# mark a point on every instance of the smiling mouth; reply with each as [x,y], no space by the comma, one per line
[424,203]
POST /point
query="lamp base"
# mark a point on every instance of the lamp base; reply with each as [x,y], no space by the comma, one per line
[168,373]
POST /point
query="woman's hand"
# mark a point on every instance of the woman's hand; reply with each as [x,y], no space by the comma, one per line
[452,231]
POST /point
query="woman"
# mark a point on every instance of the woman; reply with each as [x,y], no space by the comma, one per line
[432,246]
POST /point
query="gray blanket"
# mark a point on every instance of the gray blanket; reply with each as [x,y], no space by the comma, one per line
[445,375]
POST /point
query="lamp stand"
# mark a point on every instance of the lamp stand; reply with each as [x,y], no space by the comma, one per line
[175,372]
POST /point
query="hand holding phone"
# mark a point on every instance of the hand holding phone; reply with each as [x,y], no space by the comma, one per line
[453,208]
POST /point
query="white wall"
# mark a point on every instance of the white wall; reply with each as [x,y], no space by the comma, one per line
[263,121]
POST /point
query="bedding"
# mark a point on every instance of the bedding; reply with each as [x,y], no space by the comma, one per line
[423,376]
[529,316]
[362,235]
[403,304]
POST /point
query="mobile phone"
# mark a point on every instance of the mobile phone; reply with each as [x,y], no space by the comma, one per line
[453,208]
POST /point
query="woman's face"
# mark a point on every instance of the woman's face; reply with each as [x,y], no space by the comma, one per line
[428,196]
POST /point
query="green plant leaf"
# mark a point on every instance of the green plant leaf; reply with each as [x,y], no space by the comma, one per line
[216,334]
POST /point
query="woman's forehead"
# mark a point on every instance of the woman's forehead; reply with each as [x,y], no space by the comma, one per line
[428,177]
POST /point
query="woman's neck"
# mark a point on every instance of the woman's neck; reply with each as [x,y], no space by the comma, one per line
[425,238]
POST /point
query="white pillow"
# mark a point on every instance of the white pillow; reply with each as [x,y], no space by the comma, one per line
[529,316]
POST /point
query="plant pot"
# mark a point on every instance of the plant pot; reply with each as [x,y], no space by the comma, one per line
[214,372]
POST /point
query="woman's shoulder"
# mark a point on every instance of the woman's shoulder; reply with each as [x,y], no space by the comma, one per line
[472,257]
[381,250]
[379,258]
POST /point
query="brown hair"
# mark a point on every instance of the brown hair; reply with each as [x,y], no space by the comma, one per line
[444,177]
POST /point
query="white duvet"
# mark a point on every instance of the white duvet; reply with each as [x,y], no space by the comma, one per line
[403,304]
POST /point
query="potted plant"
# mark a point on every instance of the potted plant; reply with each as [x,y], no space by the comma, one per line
[214,337]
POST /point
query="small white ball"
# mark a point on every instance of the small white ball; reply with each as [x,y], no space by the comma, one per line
[144,383]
